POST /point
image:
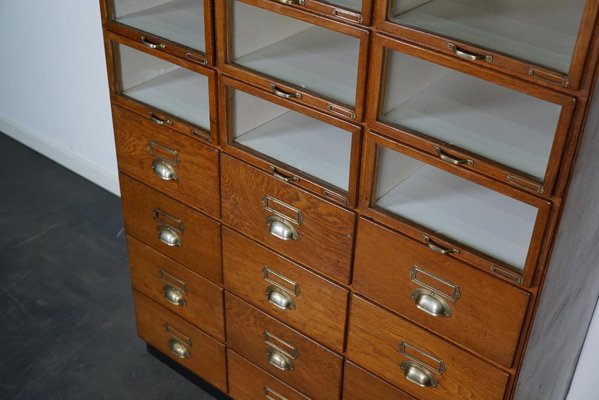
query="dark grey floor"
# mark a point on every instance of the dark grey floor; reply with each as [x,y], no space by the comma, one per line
[66,314]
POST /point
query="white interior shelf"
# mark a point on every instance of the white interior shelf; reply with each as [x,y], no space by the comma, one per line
[478,217]
[498,123]
[180,92]
[542,32]
[311,146]
[316,59]
[180,21]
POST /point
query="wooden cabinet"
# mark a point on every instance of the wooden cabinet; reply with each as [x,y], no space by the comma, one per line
[358,199]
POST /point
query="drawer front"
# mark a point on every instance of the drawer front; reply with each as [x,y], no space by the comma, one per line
[282,351]
[452,299]
[361,385]
[181,341]
[172,228]
[177,288]
[248,382]
[168,161]
[408,356]
[285,290]
[287,219]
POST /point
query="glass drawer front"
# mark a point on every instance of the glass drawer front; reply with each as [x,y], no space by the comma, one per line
[316,59]
[164,86]
[354,5]
[474,215]
[542,32]
[500,124]
[304,143]
[180,21]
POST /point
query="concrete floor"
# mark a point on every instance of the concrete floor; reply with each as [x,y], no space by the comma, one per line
[66,312]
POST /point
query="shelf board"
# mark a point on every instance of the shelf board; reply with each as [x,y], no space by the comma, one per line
[498,123]
[471,214]
[181,93]
[543,34]
[180,21]
[311,146]
[316,59]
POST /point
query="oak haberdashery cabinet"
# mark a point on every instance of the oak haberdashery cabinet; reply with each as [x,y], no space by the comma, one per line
[360,199]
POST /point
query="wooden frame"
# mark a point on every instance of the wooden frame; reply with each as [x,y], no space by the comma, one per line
[481,164]
[502,62]
[265,163]
[223,21]
[412,229]
[326,9]
[113,59]
[170,47]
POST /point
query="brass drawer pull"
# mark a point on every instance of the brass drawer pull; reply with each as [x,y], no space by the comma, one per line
[178,349]
[174,289]
[281,229]
[279,360]
[169,228]
[430,303]
[280,354]
[438,249]
[165,160]
[164,170]
[468,56]
[159,121]
[169,236]
[293,2]
[151,45]
[278,92]
[451,160]
[281,291]
[279,298]
[416,374]
[283,178]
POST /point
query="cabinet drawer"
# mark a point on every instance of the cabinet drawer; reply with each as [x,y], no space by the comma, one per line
[446,296]
[178,231]
[361,385]
[181,341]
[282,351]
[311,60]
[284,289]
[409,357]
[289,220]
[176,288]
[248,382]
[168,161]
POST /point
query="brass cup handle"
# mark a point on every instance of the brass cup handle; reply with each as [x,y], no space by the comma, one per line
[293,2]
[169,236]
[279,298]
[418,375]
[281,228]
[164,170]
[159,121]
[468,56]
[151,45]
[438,249]
[174,295]
[278,92]
[279,360]
[452,160]
[179,349]
[431,304]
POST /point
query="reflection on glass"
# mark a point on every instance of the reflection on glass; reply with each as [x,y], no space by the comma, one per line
[164,86]
[474,215]
[542,32]
[316,59]
[180,21]
[354,5]
[304,143]
[506,126]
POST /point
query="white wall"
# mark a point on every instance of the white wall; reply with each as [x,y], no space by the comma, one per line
[53,86]
[54,98]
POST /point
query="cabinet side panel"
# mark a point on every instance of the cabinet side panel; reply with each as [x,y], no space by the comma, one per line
[572,283]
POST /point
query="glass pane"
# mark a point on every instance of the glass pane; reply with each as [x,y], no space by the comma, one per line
[503,125]
[180,21]
[304,143]
[474,215]
[165,86]
[542,32]
[355,5]
[314,58]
